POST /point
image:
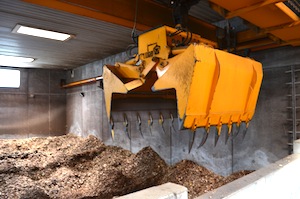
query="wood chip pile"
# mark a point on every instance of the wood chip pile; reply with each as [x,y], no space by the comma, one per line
[74,167]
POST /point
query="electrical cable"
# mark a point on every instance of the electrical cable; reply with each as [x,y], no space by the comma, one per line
[178,31]
[186,40]
[133,35]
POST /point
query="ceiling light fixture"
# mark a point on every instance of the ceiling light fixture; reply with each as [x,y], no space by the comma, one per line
[37,32]
[6,60]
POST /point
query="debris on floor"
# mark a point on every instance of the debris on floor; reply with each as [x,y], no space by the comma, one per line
[73,167]
[197,179]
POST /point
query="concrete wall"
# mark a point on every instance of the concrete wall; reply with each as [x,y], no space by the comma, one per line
[37,108]
[86,114]
[278,57]
[265,142]
[266,139]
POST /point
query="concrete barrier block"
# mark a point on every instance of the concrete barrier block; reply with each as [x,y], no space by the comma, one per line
[278,180]
[165,191]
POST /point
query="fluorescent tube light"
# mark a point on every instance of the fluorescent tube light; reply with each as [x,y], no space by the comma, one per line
[6,60]
[37,32]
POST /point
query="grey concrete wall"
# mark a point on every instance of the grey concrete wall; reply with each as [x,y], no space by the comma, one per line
[265,142]
[37,108]
[278,57]
[86,114]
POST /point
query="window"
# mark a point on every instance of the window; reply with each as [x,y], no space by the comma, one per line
[9,78]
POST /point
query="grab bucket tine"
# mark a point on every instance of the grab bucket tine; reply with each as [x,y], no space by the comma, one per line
[125,123]
[139,122]
[192,140]
[227,135]
[111,126]
[217,136]
[204,138]
[161,121]
[150,123]
[236,130]
[218,132]
[172,122]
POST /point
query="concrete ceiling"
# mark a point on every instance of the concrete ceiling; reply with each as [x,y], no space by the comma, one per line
[103,29]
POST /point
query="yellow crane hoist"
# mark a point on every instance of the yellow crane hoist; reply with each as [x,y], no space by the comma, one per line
[210,87]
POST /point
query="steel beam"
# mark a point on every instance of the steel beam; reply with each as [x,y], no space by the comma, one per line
[143,14]
[249,35]
[251,8]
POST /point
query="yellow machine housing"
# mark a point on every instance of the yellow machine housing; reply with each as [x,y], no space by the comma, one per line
[210,87]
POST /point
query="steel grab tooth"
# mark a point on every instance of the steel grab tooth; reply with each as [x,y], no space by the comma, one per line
[126,124]
[218,132]
[172,122]
[192,140]
[161,121]
[204,138]
[227,134]
[235,130]
[111,126]
[217,136]
[150,123]
[139,124]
